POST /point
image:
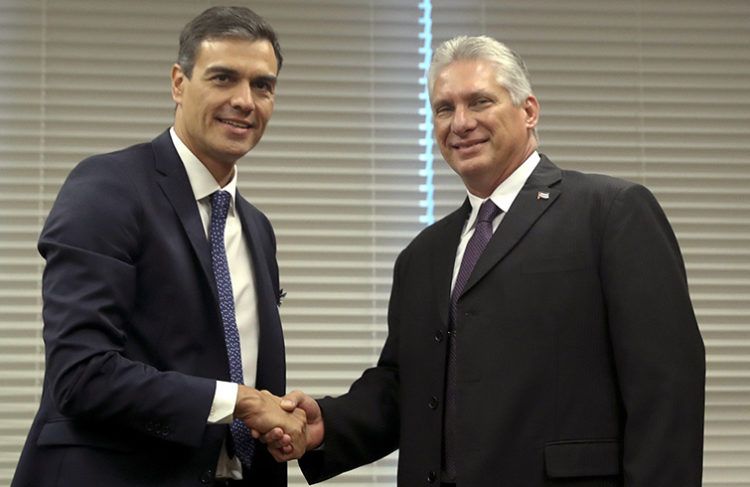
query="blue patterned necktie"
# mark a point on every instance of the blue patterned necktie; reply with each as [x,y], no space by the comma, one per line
[477,243]
[244,444]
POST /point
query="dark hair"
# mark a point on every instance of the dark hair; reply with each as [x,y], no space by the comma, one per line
[220,22]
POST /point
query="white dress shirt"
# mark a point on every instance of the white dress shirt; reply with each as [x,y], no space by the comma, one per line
[243,289]
[503,197]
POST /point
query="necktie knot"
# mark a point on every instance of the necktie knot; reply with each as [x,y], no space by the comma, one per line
[488,211]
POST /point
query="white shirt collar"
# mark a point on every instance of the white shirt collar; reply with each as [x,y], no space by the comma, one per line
[201,180]
[506,192]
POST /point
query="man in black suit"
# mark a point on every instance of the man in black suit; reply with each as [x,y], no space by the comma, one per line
[142,309]
[540,335]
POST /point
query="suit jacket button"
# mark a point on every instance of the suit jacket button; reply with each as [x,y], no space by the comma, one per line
[207,477]
[433,404]
[431,477]
[438,336]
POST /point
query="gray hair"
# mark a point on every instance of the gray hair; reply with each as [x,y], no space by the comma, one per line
[511,70]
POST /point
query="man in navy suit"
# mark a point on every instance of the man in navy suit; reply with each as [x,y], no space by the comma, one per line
[564,353]
[137,389]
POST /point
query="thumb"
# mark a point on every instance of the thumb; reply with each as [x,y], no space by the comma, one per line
[290,402]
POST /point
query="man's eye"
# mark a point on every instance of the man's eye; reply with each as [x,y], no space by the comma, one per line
[263,86]
[222,78]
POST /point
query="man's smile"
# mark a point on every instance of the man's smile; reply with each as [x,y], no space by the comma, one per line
[235,123]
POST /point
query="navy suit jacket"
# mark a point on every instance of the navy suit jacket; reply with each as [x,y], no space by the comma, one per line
[579,360]
[133,335]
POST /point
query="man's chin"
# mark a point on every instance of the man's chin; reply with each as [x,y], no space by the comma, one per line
[236,151]
[468,165]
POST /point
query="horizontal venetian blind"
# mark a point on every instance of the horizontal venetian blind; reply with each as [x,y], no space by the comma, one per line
[21,201]
[658,93]
[337,171]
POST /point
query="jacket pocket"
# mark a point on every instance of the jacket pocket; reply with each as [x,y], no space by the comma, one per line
[70,433]
[582,458]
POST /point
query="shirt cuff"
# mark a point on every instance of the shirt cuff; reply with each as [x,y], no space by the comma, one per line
[225,398]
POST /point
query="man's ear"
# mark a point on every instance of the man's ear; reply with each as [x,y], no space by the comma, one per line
[178,82]
[531,107]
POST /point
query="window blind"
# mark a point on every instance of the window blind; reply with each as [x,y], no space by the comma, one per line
[21,115]
[654,92]
[340,181]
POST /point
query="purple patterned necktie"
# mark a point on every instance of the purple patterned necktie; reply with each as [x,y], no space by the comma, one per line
[244,444]
[482,234]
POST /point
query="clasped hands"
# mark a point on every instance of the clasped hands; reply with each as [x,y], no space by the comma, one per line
[289,426]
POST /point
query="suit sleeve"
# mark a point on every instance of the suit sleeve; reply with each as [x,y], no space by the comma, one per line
[363,425]
[658,350]
[91,243]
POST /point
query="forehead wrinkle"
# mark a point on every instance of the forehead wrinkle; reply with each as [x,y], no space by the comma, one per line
[480,83]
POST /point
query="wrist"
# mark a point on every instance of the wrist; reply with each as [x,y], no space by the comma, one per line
[316,432]
[315,438]
[247,401]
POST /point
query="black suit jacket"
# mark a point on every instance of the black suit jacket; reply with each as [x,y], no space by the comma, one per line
[579,359]
[132,330]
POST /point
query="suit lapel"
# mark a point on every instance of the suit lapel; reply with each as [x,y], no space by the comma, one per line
[537,195]
[175,184]
[271,366]
[444,256]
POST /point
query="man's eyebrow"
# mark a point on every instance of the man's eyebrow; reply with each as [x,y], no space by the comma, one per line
[267,78]
[439,102]
[221,70]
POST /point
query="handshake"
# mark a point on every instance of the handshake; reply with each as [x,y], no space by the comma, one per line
[289,425]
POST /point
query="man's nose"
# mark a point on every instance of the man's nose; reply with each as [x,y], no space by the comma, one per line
[463,120]
[242,98]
